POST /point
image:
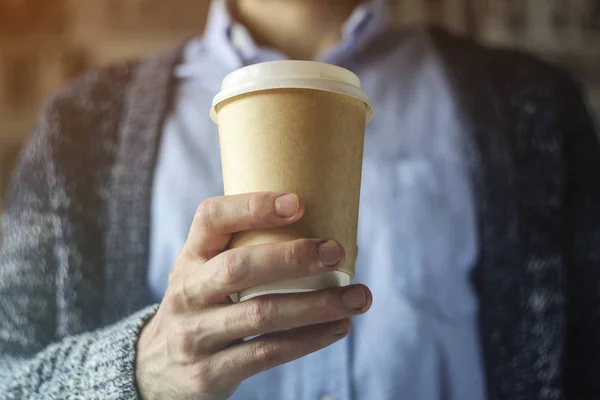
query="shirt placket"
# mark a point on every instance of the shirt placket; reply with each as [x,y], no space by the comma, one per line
[327,373]
[327,376]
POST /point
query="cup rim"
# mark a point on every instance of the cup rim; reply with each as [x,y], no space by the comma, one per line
[276,75]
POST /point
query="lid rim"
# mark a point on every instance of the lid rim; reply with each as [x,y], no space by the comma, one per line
[309,83]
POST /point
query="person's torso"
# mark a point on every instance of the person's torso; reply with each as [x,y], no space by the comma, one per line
[417,233]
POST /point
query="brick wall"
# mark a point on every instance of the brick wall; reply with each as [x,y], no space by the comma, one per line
[45,43]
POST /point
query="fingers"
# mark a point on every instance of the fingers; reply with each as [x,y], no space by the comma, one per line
[245,267]
[268,314]
[249,358]
[198,334]
[202,333]
[219,217]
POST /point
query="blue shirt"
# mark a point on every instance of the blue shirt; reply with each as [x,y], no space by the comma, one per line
[417,228]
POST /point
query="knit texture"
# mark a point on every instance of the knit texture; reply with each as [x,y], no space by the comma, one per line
[535,163]
[71,295]
[74,257]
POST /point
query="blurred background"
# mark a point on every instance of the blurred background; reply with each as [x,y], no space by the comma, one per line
[46,43]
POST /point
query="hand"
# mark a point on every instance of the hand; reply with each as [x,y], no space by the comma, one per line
[193,347]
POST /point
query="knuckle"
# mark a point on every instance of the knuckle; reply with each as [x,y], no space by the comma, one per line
[260,314]
[176,299]
[327,306]
[181,342]
[292,254]
[206,212]
[229,322]
[202,378]
[296,252]
[267,353]
[253,207]
[232,268]
[185,342]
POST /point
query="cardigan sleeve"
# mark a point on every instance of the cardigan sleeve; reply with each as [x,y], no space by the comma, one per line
[36,361]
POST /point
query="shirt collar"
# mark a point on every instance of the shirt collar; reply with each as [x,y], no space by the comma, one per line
[235,45]
[370,18]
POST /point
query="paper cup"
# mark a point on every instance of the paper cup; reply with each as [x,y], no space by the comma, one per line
[297,127]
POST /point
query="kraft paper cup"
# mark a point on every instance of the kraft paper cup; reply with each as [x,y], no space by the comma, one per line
[297,127]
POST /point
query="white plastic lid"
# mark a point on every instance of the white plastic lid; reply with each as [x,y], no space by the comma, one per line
[291,75]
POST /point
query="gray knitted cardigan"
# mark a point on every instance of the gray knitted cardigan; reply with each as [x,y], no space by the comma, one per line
[73,264]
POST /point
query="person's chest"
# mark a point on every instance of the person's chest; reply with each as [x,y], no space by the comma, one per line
[416,235]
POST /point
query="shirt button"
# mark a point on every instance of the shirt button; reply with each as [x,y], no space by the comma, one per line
[327,397]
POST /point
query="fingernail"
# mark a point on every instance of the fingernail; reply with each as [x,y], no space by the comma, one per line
[287,205]
[330,253]
[354,298]
[340,328]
